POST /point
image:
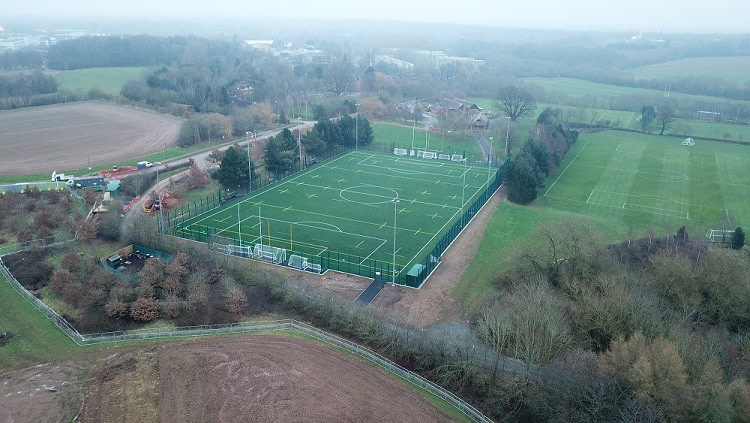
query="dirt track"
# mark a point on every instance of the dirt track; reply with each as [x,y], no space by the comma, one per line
[433,302]
[266,378]
[66,136]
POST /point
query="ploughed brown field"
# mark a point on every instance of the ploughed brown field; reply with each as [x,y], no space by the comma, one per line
[65,137]
[259,378]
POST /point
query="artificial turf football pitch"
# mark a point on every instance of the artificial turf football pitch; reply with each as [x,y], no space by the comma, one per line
[350,208]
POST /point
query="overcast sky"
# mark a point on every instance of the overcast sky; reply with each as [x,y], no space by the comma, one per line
[720,16]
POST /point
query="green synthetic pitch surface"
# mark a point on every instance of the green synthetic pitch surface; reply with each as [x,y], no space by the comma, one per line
[343,210]
[642,180]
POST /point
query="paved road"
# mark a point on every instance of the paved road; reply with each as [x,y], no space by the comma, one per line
[202,161]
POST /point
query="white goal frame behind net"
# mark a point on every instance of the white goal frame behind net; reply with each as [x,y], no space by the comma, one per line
[269,253]
[719,235]
[688,142]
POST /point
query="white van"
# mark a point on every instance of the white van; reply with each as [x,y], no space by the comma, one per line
[143,165]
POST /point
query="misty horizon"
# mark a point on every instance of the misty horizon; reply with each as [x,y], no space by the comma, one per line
[721,16]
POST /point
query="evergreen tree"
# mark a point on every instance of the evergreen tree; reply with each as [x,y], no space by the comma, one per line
[522,178]
[738,239]
[233,169]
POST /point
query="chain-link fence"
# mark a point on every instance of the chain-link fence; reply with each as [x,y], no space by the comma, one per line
[343,261]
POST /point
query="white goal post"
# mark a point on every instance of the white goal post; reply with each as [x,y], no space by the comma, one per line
[301,263]
[719,235]
[457,158]
[267,252]
[400,151]
[688,141]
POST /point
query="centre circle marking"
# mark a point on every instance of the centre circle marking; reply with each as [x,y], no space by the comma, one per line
[379,195]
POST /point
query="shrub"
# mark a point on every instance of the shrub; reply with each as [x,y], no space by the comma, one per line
[60,279]
[236,300]
[116,308]
[25,235]
[171,307]
[144,309]
[70,262]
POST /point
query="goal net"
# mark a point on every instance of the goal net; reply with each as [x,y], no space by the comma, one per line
[427,154]
[457,158]
[444,156]
[297,262]
[267,252]
[688,142]
[235,250]
[400,151]
[719,235]
[301,263]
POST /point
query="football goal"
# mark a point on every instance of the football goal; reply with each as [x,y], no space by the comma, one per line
[688,141]
[427,154]
[301,263]
[400,151]
[719,235]
[269,253]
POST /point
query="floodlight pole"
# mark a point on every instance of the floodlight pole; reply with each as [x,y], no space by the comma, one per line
[413,132]
[249,163]
[356,128]
[463,187]
[158,197]
[395,206]
[489,161]
[299,145]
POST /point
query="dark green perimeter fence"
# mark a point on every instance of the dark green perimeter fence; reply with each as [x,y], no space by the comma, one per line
[340,261]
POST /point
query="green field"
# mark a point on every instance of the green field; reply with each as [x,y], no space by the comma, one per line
[621,181]
[733,69]
[582,88]
[109,80]
[629,119]
[641,180]
[340,214]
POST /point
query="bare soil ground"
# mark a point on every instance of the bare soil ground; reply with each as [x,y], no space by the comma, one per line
[65,136]
[265,378]
[43,393]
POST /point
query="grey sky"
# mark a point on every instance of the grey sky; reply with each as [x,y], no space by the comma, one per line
[721,16]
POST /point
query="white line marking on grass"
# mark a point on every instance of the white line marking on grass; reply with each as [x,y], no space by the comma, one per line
[588,200]
[566,168]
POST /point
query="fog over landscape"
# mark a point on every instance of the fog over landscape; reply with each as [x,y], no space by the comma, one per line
[722,16]
[401,211]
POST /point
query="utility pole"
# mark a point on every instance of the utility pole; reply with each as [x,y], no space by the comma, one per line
[356,128]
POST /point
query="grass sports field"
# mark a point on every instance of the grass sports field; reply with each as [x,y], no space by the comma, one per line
[341,213]
[644,179]
[733,68]
[109,80]
[622,181]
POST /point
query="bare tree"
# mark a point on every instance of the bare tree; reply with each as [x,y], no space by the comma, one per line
[515,102]
[666,117]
